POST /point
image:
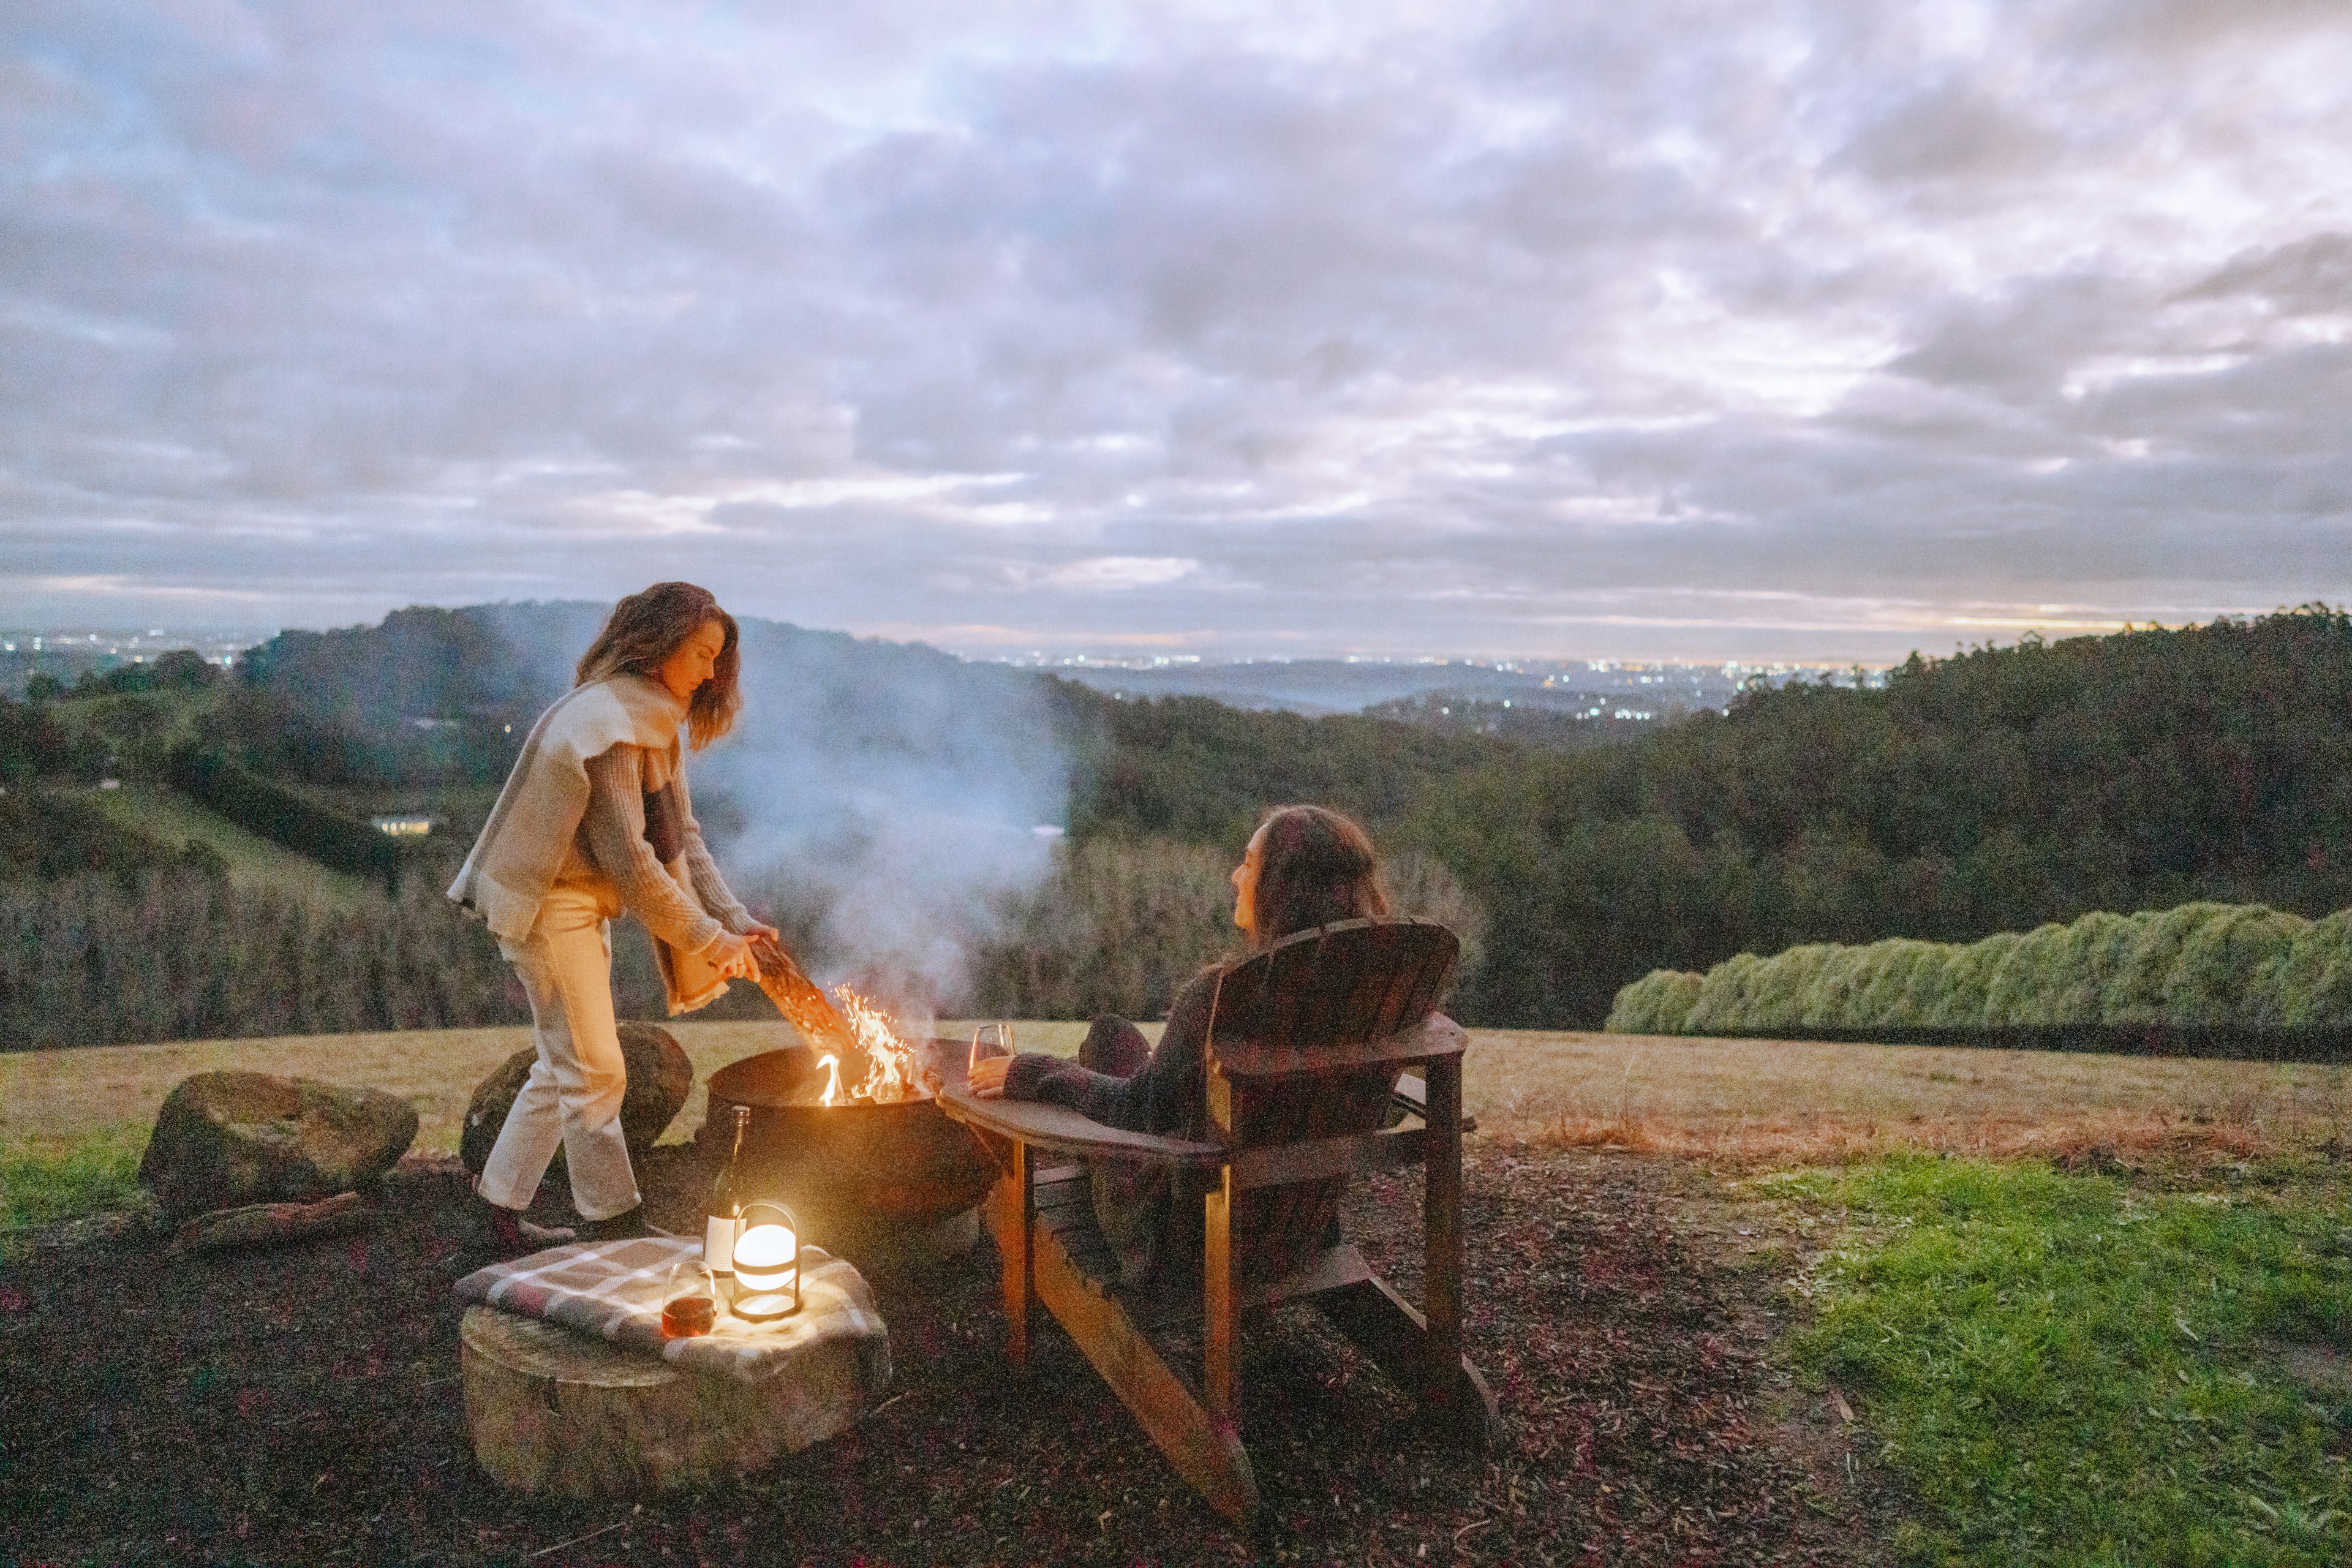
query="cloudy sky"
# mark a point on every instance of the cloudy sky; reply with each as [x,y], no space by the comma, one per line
[1752,329]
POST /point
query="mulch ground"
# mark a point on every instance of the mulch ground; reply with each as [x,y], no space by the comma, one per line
[302,1405]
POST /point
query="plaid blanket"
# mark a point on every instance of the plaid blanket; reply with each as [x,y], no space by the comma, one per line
[613,1289]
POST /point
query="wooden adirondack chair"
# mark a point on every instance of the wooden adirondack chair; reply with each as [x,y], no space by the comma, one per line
[1307,1046]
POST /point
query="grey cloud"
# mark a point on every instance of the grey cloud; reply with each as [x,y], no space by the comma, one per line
[2312,276]
[1513,322]
[1952,130]
[2181,27]
[2023,344]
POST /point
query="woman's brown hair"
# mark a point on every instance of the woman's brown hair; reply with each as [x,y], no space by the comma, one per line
[1315,867]
[645,628]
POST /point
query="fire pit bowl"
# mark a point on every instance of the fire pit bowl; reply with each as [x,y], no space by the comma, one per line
[867,1181]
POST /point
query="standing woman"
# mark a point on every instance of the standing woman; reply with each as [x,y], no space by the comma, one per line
[595,819]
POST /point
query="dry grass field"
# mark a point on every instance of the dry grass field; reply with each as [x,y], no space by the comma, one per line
[52,1101]
[1778,1101]
[1736,1101]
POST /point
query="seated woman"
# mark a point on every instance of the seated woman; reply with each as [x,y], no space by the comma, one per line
[1304,867]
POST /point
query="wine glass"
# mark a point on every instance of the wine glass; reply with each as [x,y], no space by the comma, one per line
[689,1301]
[990,1040]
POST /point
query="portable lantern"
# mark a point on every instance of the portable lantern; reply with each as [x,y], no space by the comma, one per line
[767,1263]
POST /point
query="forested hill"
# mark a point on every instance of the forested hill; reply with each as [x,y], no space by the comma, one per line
[1991,791]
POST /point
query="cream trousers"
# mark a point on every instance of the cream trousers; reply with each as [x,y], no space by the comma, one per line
[573,1096]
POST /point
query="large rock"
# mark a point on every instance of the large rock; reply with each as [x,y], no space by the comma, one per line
[660,1078]
[226,1138]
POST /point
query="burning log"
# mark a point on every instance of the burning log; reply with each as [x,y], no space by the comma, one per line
[861,1054]
[804,1006]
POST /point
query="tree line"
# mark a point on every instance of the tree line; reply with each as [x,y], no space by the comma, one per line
[180,954]
[176,951]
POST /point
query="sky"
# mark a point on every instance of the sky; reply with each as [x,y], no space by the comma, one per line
[1474,327]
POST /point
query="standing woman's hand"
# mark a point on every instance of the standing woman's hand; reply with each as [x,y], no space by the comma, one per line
[731,955]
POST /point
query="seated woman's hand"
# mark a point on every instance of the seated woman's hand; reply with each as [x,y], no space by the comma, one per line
[987,1077]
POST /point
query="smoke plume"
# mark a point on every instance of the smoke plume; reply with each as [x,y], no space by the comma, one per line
[883,804]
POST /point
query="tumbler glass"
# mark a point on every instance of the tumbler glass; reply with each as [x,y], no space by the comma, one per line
[689,1301]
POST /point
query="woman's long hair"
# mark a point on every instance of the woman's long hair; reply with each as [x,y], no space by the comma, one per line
[1314,868]
[645,628]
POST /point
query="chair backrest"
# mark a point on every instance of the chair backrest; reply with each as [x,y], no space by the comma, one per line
[1309,997]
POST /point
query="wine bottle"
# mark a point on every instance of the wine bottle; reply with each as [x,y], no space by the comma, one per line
[726,1203]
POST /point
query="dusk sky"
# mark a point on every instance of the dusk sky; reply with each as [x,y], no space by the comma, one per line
[1753,329]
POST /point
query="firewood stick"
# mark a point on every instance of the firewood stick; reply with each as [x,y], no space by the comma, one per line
[804,1007]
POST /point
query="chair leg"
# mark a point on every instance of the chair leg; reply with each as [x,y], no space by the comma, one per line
[1201,1443]
[1442,1216]
[1219,1329]
[1202,1446]
[1384,1326]
[1423,1354]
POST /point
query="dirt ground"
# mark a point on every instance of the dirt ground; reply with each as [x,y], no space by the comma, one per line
[302,1405]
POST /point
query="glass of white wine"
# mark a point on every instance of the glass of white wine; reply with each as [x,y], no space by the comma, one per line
[990,1040]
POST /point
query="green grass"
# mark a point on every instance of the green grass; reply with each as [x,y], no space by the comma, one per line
[2065,1371]
[253,861]
[98,1174]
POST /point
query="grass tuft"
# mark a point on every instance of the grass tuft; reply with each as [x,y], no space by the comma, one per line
[2063,1370]
[96,1173]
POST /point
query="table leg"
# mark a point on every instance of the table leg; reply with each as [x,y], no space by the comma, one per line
[1016,1195]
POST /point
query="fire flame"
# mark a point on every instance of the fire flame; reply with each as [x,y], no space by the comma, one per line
[889,1060]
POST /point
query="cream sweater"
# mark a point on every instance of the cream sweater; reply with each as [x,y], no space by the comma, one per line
[573,813]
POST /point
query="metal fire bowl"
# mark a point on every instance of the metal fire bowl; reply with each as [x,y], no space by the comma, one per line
[861,1178]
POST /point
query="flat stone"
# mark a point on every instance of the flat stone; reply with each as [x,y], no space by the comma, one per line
[276,1224]
[660,1078]
[225,1140]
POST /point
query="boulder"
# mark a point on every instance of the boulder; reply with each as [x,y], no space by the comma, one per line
[660,1078]
[224,1139]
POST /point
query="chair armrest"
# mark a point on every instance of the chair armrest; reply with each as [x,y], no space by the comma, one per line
[1065,1131]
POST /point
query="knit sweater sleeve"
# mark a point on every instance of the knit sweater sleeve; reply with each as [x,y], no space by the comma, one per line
[615,827]
[1166,1097]
[708,885]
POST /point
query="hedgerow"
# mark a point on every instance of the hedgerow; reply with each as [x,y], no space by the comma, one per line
[2202,966]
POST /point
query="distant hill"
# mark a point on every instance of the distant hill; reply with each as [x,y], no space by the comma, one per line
[433,692]
[1417,690]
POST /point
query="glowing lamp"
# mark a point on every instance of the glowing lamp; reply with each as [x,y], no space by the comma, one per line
[767,1263]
